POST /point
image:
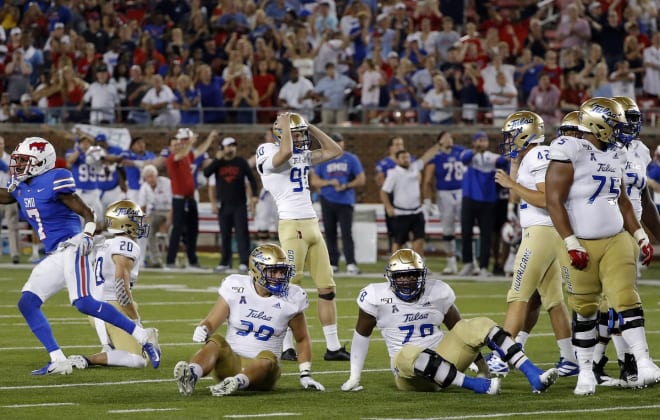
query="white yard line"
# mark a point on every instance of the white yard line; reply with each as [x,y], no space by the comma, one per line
[142,410]
[250,416]
[38,405]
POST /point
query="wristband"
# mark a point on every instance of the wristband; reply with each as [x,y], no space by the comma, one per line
[511,207]
[305,368]
[90,228]
[572,242]
[640,235]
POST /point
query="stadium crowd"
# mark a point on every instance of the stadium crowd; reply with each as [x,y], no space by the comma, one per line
[185,62]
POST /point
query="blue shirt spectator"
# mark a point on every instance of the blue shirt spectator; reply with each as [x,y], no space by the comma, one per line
[210,88]
[332,88]
[344,169]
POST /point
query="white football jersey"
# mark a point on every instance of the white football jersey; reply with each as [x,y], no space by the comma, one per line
[592,202]
[402,322]
[258,323]
[105,269]
[531,172]
[289,184]
[634,176]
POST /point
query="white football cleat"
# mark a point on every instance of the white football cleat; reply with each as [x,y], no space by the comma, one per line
[185,378]
[495,386]
[648,374]
[62,367]
[78,362]
[227,387]
[586,383]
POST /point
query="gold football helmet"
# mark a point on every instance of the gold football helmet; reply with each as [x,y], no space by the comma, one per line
[126,217]
[569,123]
[270,269]
[521,129]
[297,124]
[633,119]
[602,117]
[406,272]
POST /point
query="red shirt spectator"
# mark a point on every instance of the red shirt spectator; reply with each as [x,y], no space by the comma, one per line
[181,176]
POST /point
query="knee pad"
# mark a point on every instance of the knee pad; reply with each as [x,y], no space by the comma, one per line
[430,366]
[605,326]
[496,342]
[28,302]
[327,296]
[88,305]
[584,331]
[631,318]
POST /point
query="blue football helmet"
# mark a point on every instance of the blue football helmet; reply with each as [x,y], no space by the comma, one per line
[270,269]
[406,272]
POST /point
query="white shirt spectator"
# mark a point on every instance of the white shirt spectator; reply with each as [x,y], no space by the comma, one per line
[294,92]
[403,184]
[371,80]
[440,102]
[162,96]
[103,98]
[652,66]
[158,199]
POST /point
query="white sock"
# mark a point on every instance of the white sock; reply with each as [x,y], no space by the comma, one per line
[35,251]
[522,337]
[331,337]
[288,340]
[140,335]
[636,339]
[101,331]
[566,349]
[57,356]
[621,346]
[599,351]
[197,369]
[125,359]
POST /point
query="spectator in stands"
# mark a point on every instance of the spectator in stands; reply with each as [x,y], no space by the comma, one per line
[187,100]
[103,99]
[402,197]
[536,40]
[155,199]
[445,39]
[469,92]
[229,200]
[527,73]
[633,51]
[479,196]
[324,20]
[551,68]
[72,90]
[17,75]
[600,84]
[96,34]
[422,79]
[294,95]
[86,64]
[331,92]
[611,39]
[9,212]
[133,161]
[544,100]
[185,218]
[247,98]
[136,88]
[596,19]
[439,101]
[337,180]
[402,92]
[413,51]
[573,30]
[442,180]
[594,57]
[159,103]
[212,96]
[574,94]
[622,80]
[371,80]
[264,83]
[28,113]
[503,96]
[652,66]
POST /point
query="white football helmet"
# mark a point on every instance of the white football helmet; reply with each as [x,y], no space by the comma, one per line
[406,272]
[126,217]
[269,267]
[511,233]
[33,156]
[94,156]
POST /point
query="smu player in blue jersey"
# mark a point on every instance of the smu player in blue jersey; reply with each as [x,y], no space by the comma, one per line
[84,171]
[111,178]
[447,169]
[47,200]
[134,159]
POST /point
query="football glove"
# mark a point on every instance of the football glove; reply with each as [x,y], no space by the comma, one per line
[353,384]
[308,383]
[511,215]
[430,208]
[645,246]
[86,244]
[577,254]
[201,334]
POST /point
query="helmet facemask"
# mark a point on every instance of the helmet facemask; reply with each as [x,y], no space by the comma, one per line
[126,217]
[407,285]
[275,277]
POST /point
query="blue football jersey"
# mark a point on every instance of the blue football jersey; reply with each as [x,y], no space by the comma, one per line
[39,204]
[449,169]
[134,174]
[84,175]
[108,178]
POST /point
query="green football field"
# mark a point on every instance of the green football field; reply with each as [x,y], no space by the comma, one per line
[174,302]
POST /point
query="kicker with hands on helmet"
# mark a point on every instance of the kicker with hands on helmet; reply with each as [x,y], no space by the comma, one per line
[409,309]
[47,200]
[284,168]
[589,206]
[117,267]
[258,309]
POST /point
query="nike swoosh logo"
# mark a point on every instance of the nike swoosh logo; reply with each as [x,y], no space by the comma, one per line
[100,307]
[40,189]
